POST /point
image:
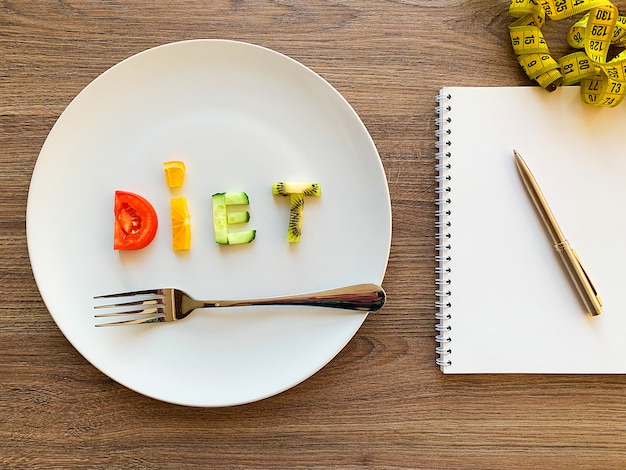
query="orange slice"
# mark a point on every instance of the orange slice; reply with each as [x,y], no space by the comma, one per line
[174,173]
[181,227]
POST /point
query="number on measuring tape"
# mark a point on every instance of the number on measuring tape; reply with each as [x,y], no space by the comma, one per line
[602,81]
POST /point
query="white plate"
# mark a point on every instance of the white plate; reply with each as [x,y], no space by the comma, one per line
[241,117]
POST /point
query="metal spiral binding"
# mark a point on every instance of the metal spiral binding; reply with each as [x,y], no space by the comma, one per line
[443,224]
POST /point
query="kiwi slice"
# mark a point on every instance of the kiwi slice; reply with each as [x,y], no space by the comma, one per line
[296,212]
[282,188]
[297,191]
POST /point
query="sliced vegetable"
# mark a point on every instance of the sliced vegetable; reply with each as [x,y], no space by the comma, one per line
[136,221]
[222,218]
[174,173]
[296,191]
[181,226]
[236,198]
[236,238]
[239,217]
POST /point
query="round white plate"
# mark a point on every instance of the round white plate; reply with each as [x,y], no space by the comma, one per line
[241,117]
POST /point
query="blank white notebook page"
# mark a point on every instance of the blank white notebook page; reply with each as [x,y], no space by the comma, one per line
[510,306]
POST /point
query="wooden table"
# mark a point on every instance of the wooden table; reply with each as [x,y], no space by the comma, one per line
[381,402]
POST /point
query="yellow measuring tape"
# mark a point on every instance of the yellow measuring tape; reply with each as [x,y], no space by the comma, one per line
[602,79]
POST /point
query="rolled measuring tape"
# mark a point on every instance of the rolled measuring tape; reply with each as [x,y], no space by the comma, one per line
[602,79]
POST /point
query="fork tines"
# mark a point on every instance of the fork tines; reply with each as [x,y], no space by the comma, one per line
[131,293]
[145,302]
[136,321]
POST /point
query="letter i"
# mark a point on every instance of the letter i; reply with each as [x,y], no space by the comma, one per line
[181,226]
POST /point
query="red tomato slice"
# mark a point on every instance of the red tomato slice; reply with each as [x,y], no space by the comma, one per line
[135,221]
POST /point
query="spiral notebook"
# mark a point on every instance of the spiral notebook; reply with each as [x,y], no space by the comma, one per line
[506,303]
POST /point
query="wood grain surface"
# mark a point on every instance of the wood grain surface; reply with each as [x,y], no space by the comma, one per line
[382,402]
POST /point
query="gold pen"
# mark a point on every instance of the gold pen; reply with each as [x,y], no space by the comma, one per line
[570,259]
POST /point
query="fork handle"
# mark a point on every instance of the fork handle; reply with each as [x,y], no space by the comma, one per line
[361,297]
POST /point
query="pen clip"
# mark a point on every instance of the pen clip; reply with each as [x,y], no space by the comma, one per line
[582,268]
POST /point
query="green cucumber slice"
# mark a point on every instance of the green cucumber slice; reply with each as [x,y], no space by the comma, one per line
[233,198]
[220,219]
[238,217]
[237,238]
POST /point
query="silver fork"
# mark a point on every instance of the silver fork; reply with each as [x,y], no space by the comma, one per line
[164,305]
